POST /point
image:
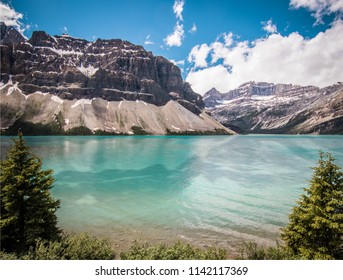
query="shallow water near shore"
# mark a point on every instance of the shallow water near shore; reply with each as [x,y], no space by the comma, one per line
[207,190]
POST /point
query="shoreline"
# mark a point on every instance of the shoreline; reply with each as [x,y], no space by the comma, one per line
[122,238]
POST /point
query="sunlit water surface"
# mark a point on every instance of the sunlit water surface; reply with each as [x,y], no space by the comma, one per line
[216,190]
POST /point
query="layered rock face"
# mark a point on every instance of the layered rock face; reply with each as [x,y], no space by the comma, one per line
[73,68]
[60,83]
[279,108]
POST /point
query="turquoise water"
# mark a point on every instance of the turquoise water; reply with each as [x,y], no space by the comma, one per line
[205,190]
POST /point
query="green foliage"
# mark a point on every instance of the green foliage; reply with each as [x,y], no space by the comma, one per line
[8,256]
[60,120]
[137,130]
[72,247]
[69,247]
[106,133]
[252,251]
[28,128]
[315,229]
[27,209]
[79,130]
[216,131]
[178,251]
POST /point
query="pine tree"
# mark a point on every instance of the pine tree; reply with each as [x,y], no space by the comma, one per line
[27,209]
[315,229]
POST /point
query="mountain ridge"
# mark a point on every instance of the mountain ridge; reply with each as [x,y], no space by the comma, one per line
[259,107]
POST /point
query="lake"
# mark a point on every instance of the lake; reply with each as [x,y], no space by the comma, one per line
[207,190]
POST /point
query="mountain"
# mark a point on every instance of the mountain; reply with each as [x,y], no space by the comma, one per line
[86,83]
[278,108]
[211,97]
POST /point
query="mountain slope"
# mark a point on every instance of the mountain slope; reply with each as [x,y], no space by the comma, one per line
[279,108]
[49,114]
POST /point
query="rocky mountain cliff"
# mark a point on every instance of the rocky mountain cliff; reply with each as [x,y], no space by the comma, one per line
[75,68]
[278,108]
[68,70]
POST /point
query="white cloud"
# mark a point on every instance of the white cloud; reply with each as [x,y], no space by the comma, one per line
[269,26]
[193,29]
[178,8]
[219,51]
[203,80]
[198,55]
[276,58]
[11,18]
[175,39]
[327,6]
[228,38]
[148,41]
[319,7]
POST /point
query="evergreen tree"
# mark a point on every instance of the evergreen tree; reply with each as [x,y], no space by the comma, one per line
[315,229]
[27,209]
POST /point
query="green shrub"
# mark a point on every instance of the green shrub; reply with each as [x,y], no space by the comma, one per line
[252,251]
[7,256]
[216,131]
[29,128]
[79,130]
[72,247]
[178,251]
[137,130]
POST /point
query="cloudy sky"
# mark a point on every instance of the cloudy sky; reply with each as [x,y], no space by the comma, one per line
[216,43]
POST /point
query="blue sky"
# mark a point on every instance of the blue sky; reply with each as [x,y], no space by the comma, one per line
[216,43]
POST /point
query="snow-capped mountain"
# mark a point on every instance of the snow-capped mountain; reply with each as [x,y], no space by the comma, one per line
[278,108]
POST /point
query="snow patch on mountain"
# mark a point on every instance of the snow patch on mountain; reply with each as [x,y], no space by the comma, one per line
[88,71]
[82,102]
[57,99]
